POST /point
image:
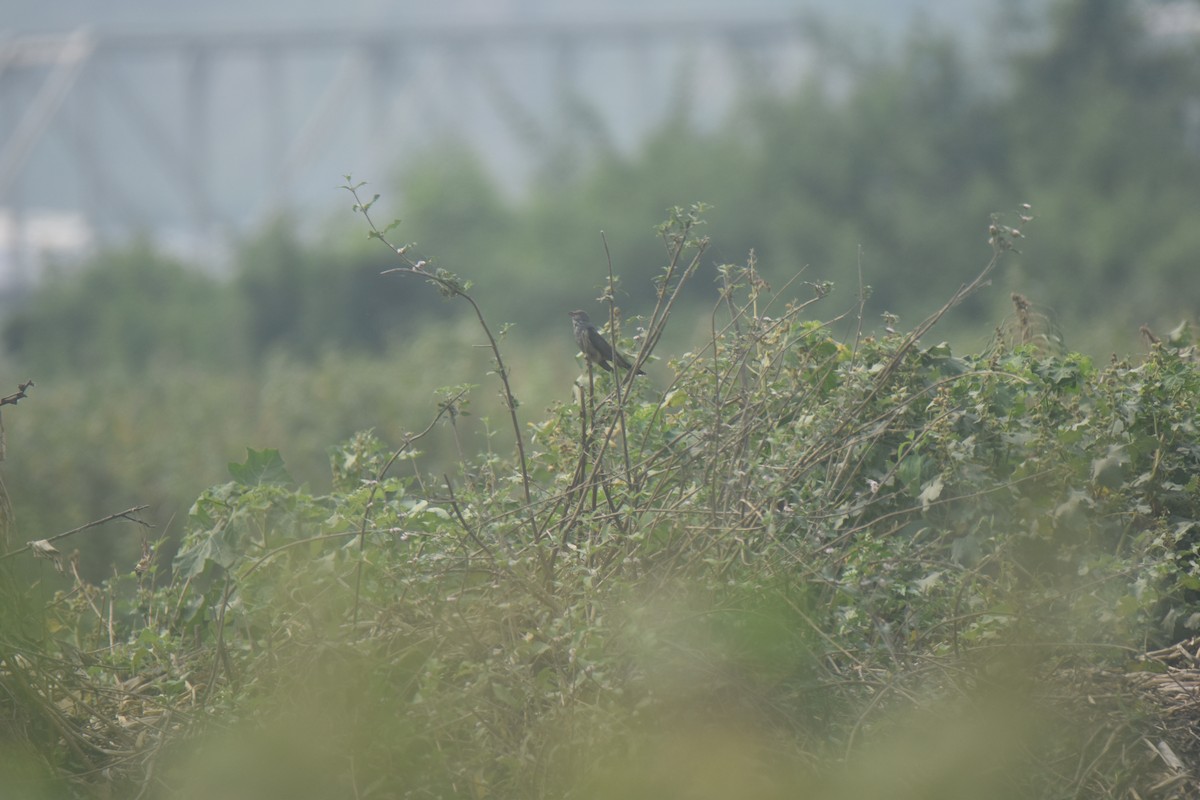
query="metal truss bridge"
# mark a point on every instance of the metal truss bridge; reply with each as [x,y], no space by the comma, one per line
[202,135]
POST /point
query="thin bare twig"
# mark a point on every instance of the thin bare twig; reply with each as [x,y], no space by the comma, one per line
[615,331]
[362,531]
[13,399]
[454,289]
[126,514]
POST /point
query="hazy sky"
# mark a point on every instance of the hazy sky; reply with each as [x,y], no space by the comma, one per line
[43,15]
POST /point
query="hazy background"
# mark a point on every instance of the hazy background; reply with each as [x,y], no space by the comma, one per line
[197,123]
[183,278]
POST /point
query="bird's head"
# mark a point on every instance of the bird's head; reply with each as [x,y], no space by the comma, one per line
[579,316]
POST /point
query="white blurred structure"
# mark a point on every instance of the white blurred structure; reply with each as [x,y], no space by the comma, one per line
[40,237]
[207,133]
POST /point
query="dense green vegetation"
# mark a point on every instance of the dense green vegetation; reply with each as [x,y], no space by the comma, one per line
[877,170]
[859,568]
[816,547]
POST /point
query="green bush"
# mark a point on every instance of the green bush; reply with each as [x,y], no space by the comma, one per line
[131,308]
[850,568]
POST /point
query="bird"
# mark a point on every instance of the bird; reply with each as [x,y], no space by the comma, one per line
[595,349]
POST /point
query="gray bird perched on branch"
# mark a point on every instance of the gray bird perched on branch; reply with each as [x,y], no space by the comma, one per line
[594,348]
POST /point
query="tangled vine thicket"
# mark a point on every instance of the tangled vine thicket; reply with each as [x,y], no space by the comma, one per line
[860,566]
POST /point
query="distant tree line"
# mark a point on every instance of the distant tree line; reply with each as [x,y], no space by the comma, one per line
[882,164]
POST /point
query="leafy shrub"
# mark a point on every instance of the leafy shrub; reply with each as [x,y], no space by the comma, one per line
[808,563]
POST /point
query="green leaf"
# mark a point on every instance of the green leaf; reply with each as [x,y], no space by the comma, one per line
[260,467]
[931,492]
[1109,471]
[676,398]
[210,548]
[929,582]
